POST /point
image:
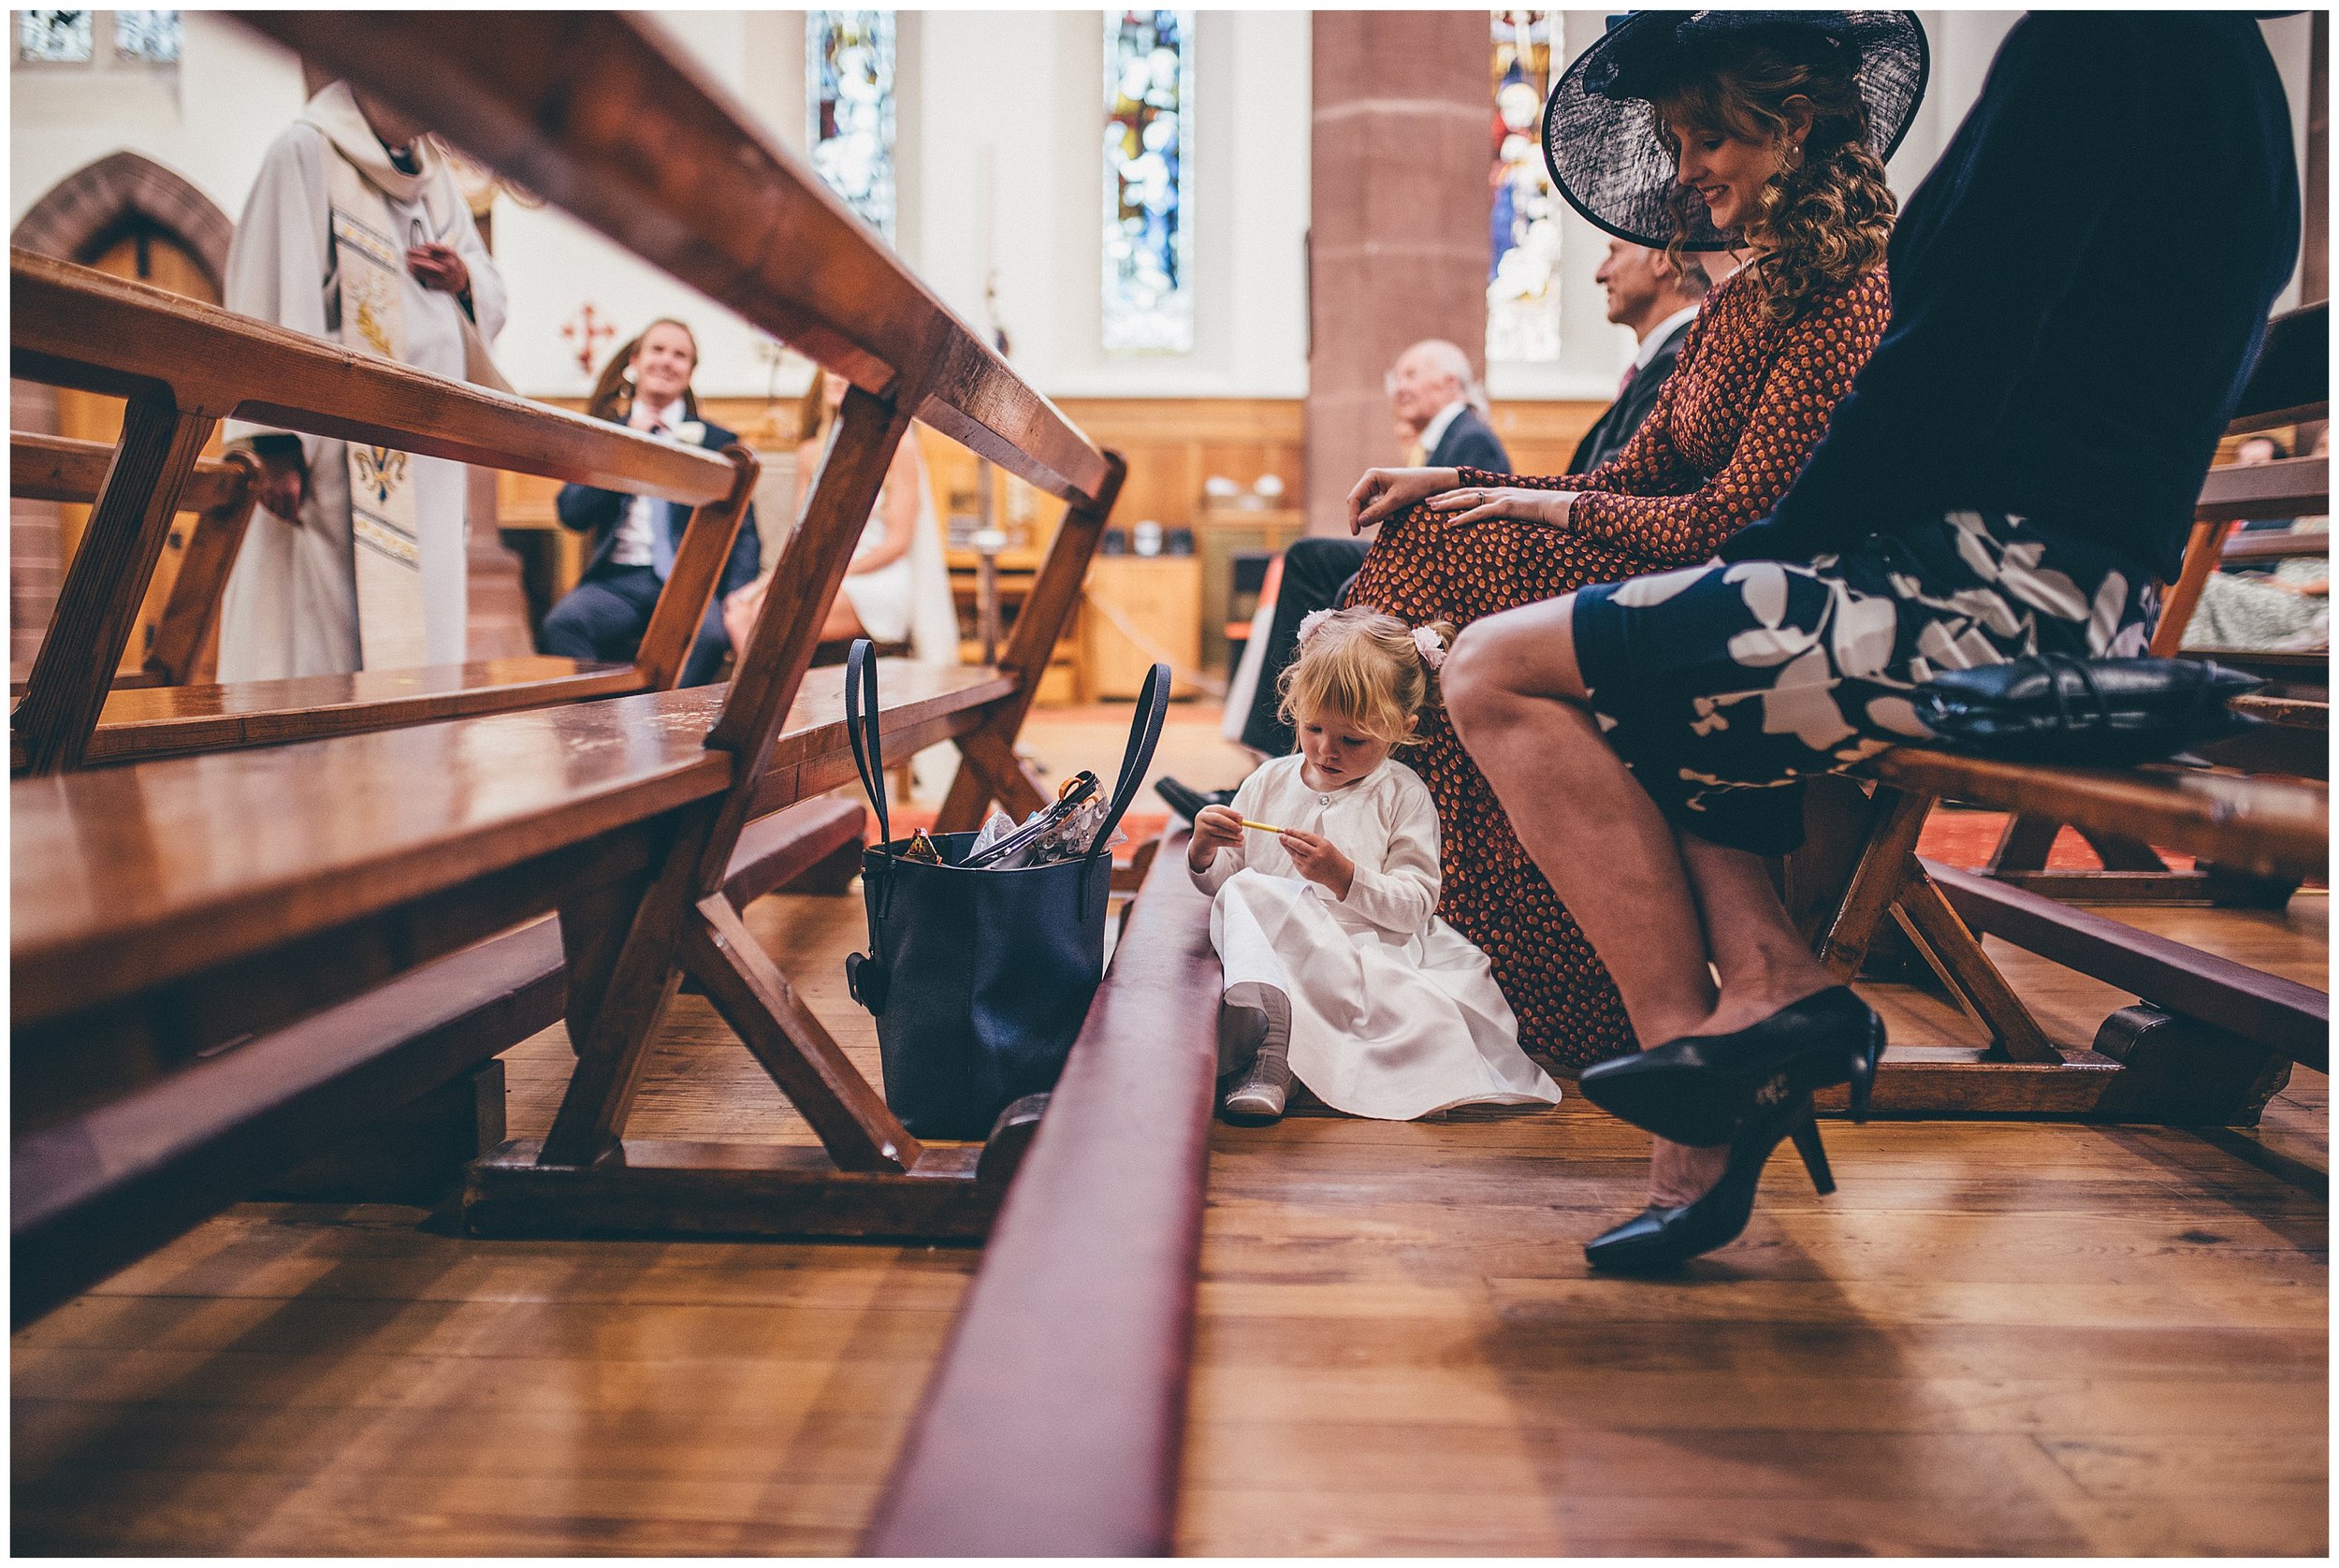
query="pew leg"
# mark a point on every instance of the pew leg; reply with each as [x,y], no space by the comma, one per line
[763,1010]
[202,580]
[991,770]
[2182,1071]
[1955,954]
[1846,925]
[66,688]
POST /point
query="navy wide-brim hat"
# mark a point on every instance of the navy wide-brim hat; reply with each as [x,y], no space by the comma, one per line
[1597,133]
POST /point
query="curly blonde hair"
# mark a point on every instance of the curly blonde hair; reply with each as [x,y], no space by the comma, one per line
[1364,666]
[1824,218]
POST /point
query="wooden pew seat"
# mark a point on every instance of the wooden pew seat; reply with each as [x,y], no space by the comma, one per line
[2271,826]
[96,1190]
[124,879]
[138,723]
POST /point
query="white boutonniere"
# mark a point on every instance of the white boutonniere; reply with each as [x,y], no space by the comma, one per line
[690,432]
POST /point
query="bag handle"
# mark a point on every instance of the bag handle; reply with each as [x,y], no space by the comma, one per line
[1153,707]
[861,728]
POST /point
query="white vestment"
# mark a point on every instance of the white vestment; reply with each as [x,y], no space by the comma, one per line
[291,604]
[1393,1013]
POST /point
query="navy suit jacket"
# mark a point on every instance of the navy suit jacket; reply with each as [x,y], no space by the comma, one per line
[1469,441]
[584,508]
[1607,438]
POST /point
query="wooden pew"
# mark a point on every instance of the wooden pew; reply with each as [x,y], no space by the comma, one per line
[116,1175]
[2192,1056]
[1053,1424]
[183,366]
[171,910]
[2289,384]
[220,493]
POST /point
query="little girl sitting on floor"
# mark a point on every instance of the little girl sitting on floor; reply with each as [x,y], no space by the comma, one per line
[1338,969]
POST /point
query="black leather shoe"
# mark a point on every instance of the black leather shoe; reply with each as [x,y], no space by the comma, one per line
[1658,1239]
[1188,803]
[1699,1089]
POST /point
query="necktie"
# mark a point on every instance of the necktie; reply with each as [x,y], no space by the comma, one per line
[662,529]
[1632,374]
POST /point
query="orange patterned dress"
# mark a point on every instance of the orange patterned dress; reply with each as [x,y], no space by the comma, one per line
[1730,430]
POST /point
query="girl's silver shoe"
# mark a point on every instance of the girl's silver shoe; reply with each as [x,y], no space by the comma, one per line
[1259,1097]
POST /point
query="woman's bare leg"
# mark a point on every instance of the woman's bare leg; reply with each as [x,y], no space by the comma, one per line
[1514,695]
[1762,959]
[842,625]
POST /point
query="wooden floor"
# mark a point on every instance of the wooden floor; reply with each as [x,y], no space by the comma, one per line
[1997,1338]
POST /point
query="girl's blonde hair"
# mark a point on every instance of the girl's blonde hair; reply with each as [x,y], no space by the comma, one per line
[1364,666]
[1824,218]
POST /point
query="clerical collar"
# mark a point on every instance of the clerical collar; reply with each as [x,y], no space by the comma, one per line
[1658,334]
[1435,431]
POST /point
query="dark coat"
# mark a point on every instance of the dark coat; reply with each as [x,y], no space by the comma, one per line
[586,509]
[1469,441]
[1608,436]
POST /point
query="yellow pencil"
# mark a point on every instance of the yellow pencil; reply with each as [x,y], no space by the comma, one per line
[1263,827]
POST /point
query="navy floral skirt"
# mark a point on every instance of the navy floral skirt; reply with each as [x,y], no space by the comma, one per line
[1723,686]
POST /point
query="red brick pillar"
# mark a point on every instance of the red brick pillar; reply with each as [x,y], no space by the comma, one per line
[1399,208]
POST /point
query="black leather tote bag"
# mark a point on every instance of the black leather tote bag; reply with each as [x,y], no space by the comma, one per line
[979,979]
[2103,713]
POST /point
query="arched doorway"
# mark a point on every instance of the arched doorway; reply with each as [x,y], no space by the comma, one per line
[130,216]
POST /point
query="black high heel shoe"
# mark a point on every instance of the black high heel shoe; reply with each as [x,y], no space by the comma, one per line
[1699,1089]
[1659,1238]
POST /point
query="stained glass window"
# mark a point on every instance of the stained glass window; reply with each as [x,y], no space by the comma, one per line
[150,36]
[848,95]
[54,34]
[1522,273]
[1149,118]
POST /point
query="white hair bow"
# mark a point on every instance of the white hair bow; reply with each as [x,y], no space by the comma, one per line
[1432,651]
[1309,622]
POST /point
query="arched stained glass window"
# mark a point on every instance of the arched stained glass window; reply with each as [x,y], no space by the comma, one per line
[1523,272]
[848,100]
[59,36]
[1148,242]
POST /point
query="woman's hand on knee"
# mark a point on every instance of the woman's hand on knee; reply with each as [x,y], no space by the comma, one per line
[1546,508]
[1383,492]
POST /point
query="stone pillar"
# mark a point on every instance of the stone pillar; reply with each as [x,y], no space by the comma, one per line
[1400,204]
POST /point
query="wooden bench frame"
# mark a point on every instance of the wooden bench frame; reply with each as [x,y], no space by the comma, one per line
[625,816]
[2200,1058]
[220,492]
[2289,384]
[183,366]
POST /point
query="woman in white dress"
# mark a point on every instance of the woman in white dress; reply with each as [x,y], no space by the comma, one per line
[896,587]
[1324,883]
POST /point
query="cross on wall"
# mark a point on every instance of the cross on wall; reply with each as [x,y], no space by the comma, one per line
[588,329]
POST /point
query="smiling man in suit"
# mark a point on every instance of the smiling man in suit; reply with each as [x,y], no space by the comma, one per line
[646,386]
[1657,299]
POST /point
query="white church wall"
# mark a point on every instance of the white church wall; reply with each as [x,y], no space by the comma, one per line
[999,167]
[1010,173]
[210,120]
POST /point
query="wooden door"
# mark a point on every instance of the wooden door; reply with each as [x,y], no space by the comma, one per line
[151,256]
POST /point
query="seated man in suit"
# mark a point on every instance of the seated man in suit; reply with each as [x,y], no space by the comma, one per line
[1658,300]
[647,386]
[1647,292]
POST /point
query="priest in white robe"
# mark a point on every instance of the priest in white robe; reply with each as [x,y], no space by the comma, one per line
[357,232]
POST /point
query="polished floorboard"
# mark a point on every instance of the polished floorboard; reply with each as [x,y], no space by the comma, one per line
[1998,1337]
